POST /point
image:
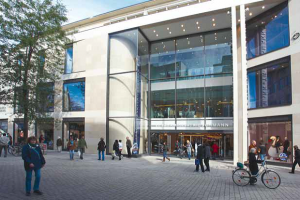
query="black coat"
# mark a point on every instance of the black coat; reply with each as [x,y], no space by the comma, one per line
[253,163]
[116,147]
[32,155]
[101,146]
[297,155]
[200,152]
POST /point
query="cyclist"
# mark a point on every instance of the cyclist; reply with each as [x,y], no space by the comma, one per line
[253,165]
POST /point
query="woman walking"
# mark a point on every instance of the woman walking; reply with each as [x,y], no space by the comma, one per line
[33,161]
[71,147]
[189,148]
[116,149]
[101,148]
[165,150]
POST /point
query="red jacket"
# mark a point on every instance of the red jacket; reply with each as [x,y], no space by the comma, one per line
[215,148]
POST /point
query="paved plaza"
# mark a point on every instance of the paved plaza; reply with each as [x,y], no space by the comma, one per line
[137,178]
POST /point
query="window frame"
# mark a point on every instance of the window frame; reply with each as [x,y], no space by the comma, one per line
[65,65]
[63,93]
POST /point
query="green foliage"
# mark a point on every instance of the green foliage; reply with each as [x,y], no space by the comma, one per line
[32,48]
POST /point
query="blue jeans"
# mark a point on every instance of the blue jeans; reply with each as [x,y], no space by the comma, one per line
[164,154]
[99,154]
[189,155]
[71,154]
[36,182]
[262,156]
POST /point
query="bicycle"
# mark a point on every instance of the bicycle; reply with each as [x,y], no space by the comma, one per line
[269,178]
[15,150]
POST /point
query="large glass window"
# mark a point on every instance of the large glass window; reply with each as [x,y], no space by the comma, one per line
[268,31]
[72,128]
[69,60]
[45,97]
[270,84]
[274,133]
[74,95]
[46,128]
[3,125]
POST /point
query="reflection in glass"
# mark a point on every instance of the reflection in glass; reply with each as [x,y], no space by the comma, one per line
[269,31]
[45,97]
[163,101]
[190,56]
[72,129]
[270,85]
[69,60]
[74,96]
[4,125]
[123,51]
[47,130]
[143,55]
[163,59]
[219,101]
[218,53]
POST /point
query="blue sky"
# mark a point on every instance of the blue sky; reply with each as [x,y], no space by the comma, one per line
[80,9]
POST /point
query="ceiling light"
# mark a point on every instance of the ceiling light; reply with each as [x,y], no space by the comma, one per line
[214,24]
[156,35]
[183,30]
[197,22]
[239,20]
[225,38]
[215,33]
[181,25]
[250,14]
[187,38]
[168,28]
[247,9]
[198,27]
[154,31]
[228,12]
[162,42]
[263,7]
[213,19]
[170,32]
[275,16]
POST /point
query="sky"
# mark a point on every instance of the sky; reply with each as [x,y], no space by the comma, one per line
[81,9]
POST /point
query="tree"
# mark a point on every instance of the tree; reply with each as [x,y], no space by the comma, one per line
[32,48]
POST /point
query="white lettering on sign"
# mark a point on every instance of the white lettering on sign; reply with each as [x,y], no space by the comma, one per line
[2,109]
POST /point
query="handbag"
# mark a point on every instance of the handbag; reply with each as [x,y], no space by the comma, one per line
[197,162]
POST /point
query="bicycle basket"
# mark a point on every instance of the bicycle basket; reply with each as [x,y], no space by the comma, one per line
[240,165]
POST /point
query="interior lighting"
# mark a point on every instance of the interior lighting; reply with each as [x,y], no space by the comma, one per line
[214,24]
[239,20]
[198,27]
[263,7]
[181,25]
[156,35]
[228,12]
[168,28]
[183,30]
[213,19]
[170,32]
[250,14]
[247,9]
[197,22]
[215,33]
[154,31]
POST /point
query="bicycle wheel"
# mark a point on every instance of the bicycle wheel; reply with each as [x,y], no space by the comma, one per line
[10,150]
[241,177]
[271,179]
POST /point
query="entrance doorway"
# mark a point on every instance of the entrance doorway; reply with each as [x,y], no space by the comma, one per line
[223,141]
[74,128]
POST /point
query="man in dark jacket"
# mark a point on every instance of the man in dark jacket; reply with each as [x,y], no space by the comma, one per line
[128,146]
[207,156]
[33,160]
[81,146]
[297,159]
[253,164]
[200,157]
[116,149]
[101,148]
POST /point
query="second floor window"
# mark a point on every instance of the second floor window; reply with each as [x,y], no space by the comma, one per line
[74,95]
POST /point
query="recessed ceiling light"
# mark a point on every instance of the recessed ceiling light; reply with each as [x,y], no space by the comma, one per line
[247,9]
[197,22]
[187,38]
[181,25]
[156,35]
[198,27]
[170,32]
[215,33]
[214,24]
[183,30]
[213,19]
[228,12]
[263,7]
[250,14]
[239,20]
[154,31]
[168,28]
[275,16]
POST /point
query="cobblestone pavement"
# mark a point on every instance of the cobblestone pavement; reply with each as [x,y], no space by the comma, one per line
[137,178]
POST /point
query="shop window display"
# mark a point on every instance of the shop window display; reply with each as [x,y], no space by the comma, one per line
[275,136]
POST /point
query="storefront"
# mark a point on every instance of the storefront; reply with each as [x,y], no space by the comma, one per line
[47,130]
[3,125]
[72,127]
[275,133]
[18,128]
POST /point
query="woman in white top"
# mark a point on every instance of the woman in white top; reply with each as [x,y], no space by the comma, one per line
[120,149]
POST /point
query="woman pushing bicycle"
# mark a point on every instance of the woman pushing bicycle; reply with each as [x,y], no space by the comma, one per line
[253,165]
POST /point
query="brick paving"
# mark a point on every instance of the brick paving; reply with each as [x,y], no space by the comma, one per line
[137,178]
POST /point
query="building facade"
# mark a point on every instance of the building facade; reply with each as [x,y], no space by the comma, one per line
[208,71]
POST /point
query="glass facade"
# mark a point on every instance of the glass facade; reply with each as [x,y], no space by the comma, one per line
[45,97]
[3,125]
[69,60]
[274,133]
[46,128]
[268,31]
[74,95]
[191,77]
[72,128]
[270,84]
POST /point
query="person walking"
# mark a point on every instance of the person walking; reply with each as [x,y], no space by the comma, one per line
[165,150]
[33,161]
[120,149]
[59,144]
[297,159]
[81,146]
[4,140]
[116,149]
[189,148]
[200,157]
[262,150]
[128,146]
[215,148]
[207,157]
[101,149]
[71,147]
